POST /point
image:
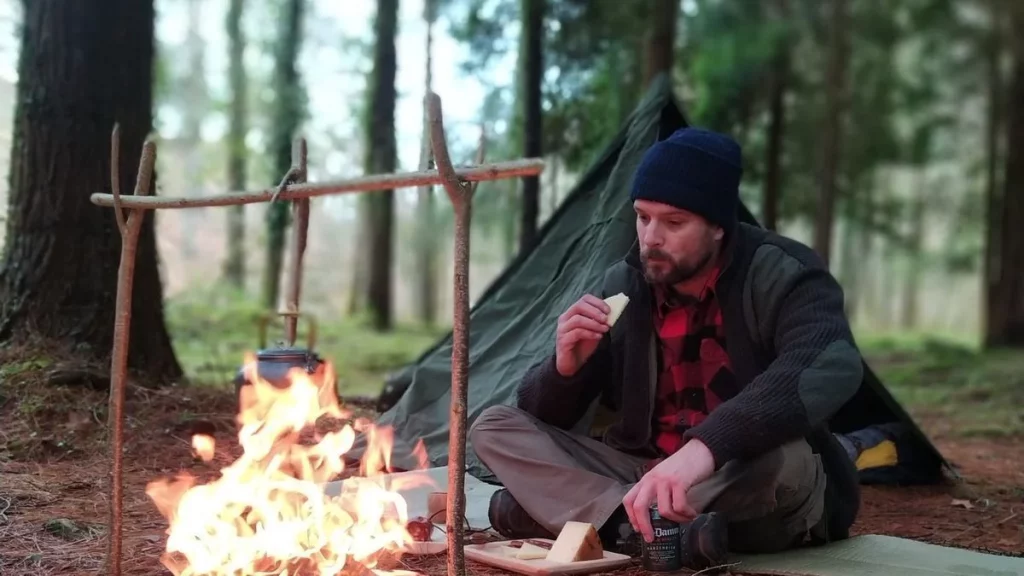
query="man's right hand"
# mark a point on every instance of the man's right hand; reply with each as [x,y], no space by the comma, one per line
[580,329]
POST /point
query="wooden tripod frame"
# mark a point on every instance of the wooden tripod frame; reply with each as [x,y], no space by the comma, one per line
[460,185]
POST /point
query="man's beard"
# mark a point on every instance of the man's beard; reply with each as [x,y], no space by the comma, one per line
[678,272]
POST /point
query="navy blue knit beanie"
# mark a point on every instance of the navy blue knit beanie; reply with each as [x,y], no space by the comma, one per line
[695,170]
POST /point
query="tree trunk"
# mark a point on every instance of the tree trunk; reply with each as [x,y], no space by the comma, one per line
[993,141]
[360,258]
[287,117]
[776,131]
[533,71]
[865,281]
[60,267]
[659,48]
[382,159]
[193,107]
[911,286]
[849,263]
[832,132]
[1006,307]
[553,184]
[234,264]
[426,247]
[508,222]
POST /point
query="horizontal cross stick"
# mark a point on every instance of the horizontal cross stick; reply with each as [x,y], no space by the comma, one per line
[492,171]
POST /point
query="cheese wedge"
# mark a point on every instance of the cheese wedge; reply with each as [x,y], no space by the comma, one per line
[617,303]
[577,542]
[531,552]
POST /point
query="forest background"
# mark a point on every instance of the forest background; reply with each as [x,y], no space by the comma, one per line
[882,134]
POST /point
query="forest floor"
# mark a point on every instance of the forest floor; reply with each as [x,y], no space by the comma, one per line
[55,463]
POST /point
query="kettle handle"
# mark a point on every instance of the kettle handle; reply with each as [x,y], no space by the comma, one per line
[264,320]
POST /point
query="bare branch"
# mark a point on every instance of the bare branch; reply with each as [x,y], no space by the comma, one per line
[374,182]
[452,183]
[115,176]
[146,163]
[290,178]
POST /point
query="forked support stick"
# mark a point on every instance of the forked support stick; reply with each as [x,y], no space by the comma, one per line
[461,195]
[129,229]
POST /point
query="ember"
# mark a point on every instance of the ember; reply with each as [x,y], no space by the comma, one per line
[267,512]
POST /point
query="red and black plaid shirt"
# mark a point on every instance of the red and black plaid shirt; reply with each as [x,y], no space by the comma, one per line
[695,372]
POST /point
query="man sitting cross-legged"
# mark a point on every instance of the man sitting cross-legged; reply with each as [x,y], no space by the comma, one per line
[727,362]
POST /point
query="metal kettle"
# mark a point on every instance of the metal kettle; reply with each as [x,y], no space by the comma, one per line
[273,364]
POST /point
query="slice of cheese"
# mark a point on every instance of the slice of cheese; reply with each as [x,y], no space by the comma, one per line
[578,541]
[617,303]
[508,551]
[531,552]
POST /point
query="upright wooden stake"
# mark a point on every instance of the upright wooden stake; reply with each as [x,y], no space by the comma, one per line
[300,229]
[122,325]
[461,195]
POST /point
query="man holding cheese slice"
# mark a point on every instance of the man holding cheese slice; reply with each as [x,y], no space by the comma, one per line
[722,349]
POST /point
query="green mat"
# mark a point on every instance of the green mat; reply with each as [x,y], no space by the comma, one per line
[880,556]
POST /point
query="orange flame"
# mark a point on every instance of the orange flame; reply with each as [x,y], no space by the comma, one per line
[267,512]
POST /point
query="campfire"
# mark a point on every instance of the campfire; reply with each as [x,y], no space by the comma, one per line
[267,512]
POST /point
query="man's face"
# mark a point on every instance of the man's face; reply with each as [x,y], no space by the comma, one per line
[674,244]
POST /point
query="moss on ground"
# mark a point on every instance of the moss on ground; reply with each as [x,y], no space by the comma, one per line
[967,390]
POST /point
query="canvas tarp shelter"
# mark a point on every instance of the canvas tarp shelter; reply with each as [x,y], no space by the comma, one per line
[512,325]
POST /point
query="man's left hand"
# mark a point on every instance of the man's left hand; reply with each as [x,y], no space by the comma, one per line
[667,484]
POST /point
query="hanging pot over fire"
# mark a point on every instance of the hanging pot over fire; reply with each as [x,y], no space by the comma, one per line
[273,364]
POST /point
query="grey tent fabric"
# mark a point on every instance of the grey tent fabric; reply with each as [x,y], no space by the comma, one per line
[512,326]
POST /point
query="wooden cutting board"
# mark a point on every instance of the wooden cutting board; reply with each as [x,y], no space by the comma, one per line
[492,555]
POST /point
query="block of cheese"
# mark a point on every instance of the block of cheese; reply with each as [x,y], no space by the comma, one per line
[617,303]
[531,552]
[578,541]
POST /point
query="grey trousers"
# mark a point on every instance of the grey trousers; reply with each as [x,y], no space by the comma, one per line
[771,503]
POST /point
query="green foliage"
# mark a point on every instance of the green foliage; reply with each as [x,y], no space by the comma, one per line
[481,24]
[729,47]
[11,369]
[592,68]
